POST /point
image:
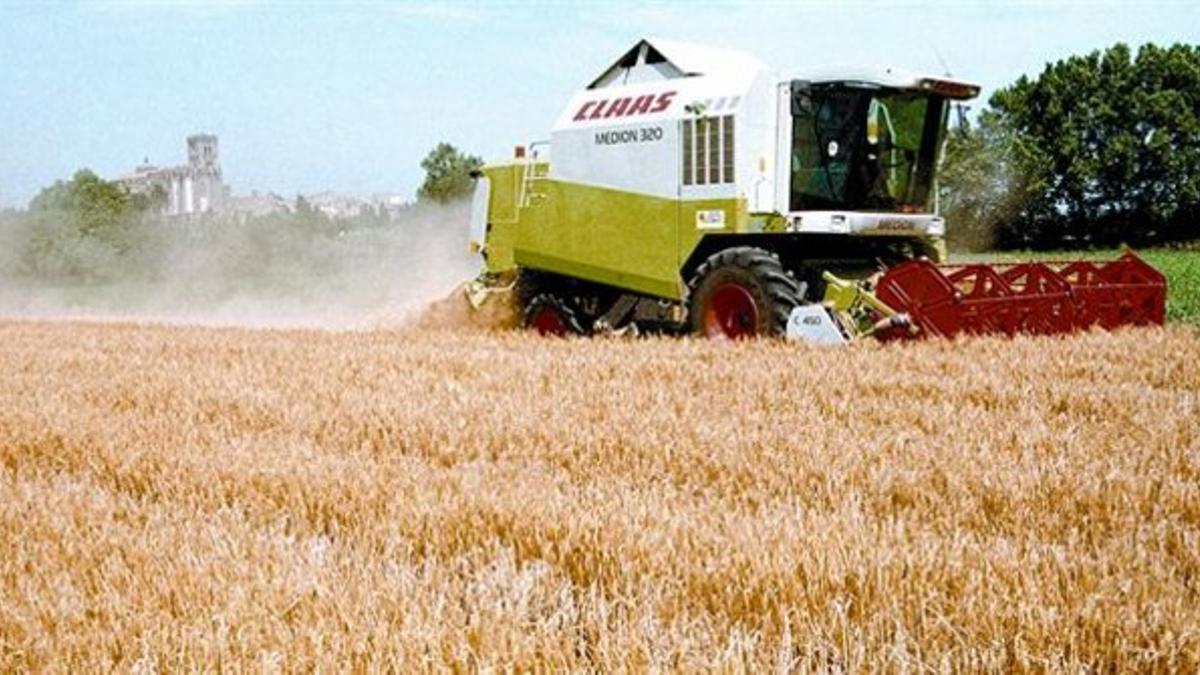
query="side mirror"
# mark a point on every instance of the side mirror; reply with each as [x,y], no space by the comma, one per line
[802,98]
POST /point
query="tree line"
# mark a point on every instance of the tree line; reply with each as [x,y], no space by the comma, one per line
[1097,150]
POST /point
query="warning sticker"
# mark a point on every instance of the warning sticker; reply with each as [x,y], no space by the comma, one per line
[710,220]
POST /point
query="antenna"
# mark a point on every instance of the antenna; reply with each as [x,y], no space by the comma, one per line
[960,109]
[946,68]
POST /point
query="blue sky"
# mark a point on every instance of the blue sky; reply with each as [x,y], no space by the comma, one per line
[349,96]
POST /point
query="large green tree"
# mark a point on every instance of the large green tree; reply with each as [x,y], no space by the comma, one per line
[82,228]
[1098,149]
[99,207]
[447,174]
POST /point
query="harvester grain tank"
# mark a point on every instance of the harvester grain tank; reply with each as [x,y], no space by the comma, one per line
[688,188]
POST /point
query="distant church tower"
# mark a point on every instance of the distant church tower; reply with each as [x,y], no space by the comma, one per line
[203,191]
[191,190]
[202,154]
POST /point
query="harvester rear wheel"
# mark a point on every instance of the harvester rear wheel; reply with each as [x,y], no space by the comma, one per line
[742,292]
[548,314]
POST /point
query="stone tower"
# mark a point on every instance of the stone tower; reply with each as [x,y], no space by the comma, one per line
[202,189]
[202,154]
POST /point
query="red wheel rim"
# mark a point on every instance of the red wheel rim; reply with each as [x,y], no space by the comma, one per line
[731,313]
[547,321]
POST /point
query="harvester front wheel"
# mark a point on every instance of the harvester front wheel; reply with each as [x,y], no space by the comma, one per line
[742,292]
[550,315]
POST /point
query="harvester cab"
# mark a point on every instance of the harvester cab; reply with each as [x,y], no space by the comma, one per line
[863,152]
[687,188]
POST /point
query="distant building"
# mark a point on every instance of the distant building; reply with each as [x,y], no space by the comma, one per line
[336,206]
[256,205]
[390,204]
[197,188]
[191,189]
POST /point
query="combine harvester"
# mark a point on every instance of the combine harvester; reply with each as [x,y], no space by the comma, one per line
[689,189]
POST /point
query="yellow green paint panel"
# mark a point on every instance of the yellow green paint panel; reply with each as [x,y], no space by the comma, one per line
[624,239]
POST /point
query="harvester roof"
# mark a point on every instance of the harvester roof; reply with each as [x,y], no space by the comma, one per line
[888,76]
[657,59]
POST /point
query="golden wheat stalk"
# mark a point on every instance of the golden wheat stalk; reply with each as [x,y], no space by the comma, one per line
[185,498]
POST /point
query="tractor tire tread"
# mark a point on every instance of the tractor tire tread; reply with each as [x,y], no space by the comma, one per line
[566,312]
[778,285]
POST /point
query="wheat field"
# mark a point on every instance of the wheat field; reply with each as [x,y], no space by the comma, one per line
[178,498]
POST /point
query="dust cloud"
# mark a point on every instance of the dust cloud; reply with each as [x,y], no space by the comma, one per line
[275,271]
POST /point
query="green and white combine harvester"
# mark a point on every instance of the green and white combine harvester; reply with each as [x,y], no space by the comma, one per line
[688,189]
